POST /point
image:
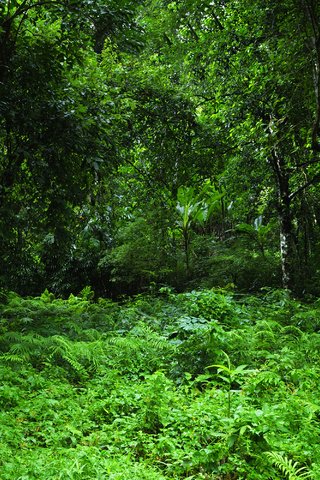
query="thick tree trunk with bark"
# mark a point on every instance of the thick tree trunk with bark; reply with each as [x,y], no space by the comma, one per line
[287,243]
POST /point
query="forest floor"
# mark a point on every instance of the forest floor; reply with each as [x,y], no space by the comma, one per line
[201,385]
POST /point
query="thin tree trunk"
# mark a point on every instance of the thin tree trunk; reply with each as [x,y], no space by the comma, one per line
[287,250]
[310,8]
[186,241]
[5,49]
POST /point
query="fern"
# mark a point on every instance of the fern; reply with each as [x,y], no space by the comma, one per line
[81,356]
[62,347]
[37,350]
[295,332]
[270,325]
[288,467]
[141,349]
[141,337]
[21,348]
[147,335]
[126,343]
[12,358]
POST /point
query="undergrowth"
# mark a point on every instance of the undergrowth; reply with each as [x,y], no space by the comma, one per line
[201,385]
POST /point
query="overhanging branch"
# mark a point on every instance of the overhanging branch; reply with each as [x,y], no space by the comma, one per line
[308,184]
[305,164]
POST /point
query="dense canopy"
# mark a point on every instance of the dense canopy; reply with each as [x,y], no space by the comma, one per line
[156,141]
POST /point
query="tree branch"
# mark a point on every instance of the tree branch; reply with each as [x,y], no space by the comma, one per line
[217,21]
[193,32]
[24,8]
[314,180]
[168,40]
[306,164]
[9,19]
[227,149]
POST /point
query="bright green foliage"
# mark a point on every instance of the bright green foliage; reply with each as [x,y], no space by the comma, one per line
[288,467]
[194,210]
[147,146]
[206,385]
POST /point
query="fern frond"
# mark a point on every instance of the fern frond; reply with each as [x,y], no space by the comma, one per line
[125,343]
[271,325]
[265,335]
[292,330]
[288,467]
[22,346]
[11,358]
[141,337]
[146,333]
[64,347]
[30,338]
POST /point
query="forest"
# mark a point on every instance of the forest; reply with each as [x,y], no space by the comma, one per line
[159,239]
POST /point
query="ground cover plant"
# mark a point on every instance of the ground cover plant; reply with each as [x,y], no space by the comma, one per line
[200,385]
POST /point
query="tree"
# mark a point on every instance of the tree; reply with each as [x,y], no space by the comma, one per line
[109,110]
[56,122]
[251,70]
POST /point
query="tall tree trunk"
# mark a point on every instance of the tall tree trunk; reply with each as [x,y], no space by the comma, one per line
[287,248]
[186,242]
[5,49]
[310,8]
[287,243]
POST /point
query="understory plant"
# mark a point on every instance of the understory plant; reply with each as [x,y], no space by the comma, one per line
[201,385]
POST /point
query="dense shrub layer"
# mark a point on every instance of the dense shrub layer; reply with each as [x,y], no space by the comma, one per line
[200,385]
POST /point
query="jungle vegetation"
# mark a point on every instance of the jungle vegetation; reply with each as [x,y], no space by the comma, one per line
[159,239]
[173,143]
